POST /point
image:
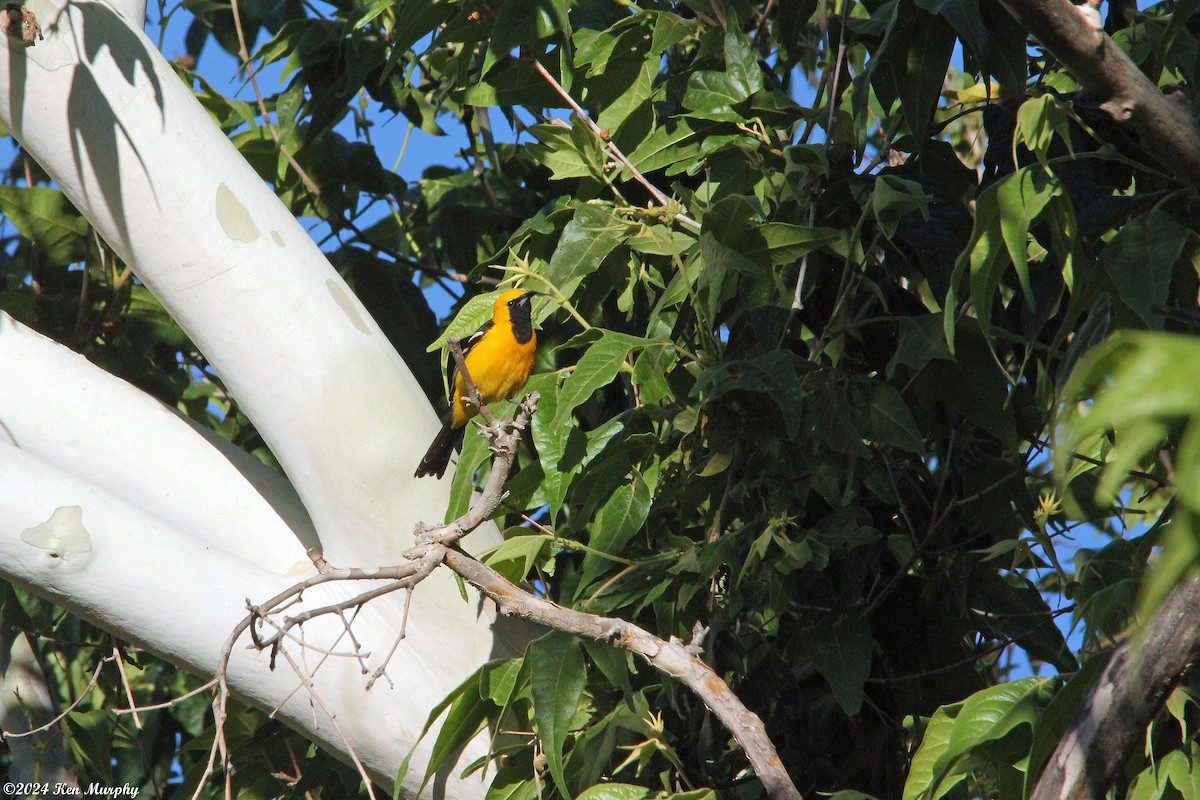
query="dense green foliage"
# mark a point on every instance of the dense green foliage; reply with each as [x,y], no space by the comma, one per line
[853,494]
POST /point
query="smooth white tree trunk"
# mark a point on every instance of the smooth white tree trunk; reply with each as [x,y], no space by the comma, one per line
[25,705]
[119,509]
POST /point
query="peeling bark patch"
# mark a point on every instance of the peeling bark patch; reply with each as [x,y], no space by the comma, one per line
[346,304]
[20,24]
[234,217]
[277,238]
[62,536]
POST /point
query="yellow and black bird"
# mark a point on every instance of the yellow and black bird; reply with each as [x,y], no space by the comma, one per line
[499,357]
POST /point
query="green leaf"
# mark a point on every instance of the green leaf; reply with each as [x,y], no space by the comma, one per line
[1133,381]
[987,716]
[619,69]
[1180,558]
[961,733]
[1004,213]
[775,374]
[1109,580]
[21,304]
[660,240]
[519,22]
[557,675]
[146,311]
[517,83]
[675,142]
[922,340]
[474,452]
[741,63]
[842,654]
[621,517]
[650,370]
[1141,259]
[712,94]
[785,244]
[558,447]
[469,318]
[913,67]
[671,29]
[595,369]
[497,679]
[46,218]
[971,386]
[615,791]
[995,41]
[566,153]
[640,93]
[893,198]
[617,521]
[301,40]
[613,662]
[584,244]
[514,783]
[934,744]
[92,734]
[889,420]
[516,556]
[466,716]
[1013,608]
[413,18]
[1039,120]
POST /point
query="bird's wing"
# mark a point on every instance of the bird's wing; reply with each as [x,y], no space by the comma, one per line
[466,346]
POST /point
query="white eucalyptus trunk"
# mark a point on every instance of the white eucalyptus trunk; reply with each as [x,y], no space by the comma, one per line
[118,508]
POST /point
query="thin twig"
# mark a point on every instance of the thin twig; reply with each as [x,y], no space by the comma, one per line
[612,149]
[219,705]
[174,701]
[74,704]
[797,294]
[413,571]
[244,53]
[672,657]
[318,702]
[762,21]
[381,670]
[332,608]
[1159,483]
[137,720]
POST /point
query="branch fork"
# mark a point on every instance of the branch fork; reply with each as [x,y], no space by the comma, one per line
[437,545]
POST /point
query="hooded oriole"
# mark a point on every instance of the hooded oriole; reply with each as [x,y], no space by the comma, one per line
[499,357]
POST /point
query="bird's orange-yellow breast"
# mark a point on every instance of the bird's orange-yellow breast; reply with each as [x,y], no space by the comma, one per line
[498,363]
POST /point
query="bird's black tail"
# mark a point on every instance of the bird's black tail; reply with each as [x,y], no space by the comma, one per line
[438,455]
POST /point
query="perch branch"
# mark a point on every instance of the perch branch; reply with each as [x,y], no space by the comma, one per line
[1072,33]
[1111,724]
[432,545]
[473,398]
[672,657]
[437,544]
